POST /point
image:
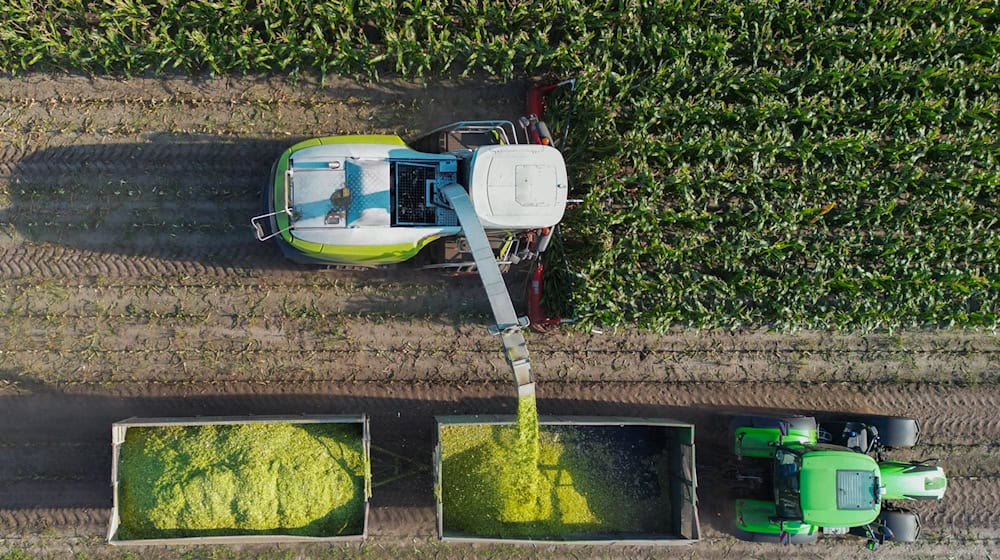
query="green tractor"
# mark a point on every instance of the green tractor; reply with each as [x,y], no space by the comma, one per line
[833,478]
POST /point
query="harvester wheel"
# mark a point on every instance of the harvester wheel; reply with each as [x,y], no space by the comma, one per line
[904,525]
[771,538]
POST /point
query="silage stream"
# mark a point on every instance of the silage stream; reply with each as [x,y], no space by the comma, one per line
[526,452]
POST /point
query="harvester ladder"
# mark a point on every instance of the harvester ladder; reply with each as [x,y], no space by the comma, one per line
[508,324]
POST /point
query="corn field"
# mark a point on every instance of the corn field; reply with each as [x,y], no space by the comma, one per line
[789,164]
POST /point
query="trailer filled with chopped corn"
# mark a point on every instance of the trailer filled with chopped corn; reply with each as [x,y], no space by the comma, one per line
[229,480]
[588,480]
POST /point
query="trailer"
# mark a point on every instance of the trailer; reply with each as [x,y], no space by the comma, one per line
[603,480]
[240,480]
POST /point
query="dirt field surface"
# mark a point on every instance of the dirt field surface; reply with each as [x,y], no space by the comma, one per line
[131,285]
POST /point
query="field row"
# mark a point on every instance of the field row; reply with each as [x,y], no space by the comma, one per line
[829,167]
[312,327]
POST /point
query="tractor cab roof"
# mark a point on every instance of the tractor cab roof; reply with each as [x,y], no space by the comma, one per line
[839,488]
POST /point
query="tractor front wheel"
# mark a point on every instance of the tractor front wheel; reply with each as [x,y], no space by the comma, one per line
[904,526]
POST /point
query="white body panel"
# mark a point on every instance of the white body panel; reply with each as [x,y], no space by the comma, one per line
[362,171]
[521,186]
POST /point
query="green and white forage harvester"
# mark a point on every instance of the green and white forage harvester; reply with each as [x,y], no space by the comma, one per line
[375,200]
[834,478]
[493,190]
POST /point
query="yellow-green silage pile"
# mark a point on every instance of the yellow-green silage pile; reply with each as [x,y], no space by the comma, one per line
[546,482]
[259,478]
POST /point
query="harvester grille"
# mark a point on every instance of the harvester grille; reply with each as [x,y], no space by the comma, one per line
[856,490]
[412,185]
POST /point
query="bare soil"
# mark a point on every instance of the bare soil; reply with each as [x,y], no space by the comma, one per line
[131,285]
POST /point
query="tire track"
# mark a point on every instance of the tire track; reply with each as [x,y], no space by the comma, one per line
[216,261]
[44,172]
[125,209]
[16,523]
[969,506]
[951,406]
[240,152]
[31,462]
[70,110]
[246,160]
[246,259]
[56,493]
[949,414]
